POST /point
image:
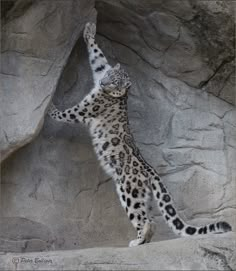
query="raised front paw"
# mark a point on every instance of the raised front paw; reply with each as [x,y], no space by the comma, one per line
[89,31]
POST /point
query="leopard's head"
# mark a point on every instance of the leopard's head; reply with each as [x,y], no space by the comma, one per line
[115,82]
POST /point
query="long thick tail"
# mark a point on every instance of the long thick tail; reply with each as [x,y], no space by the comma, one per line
[179,227]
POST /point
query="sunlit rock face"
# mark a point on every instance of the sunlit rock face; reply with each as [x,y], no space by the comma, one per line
[180,57]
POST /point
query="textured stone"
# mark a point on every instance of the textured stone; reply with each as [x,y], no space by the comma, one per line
[185,39]
[186,133]
[19,235]
[214,253]
[36,41]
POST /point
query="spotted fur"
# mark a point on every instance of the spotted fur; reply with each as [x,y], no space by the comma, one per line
[140,189]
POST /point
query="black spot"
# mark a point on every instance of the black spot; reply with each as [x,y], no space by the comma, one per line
[123,179]
[140,183]
[153,186]
[72,116]
[161,204]
[93,61]
[178,224]
[64,115]
[170,210]
[212,227]
[105,145]
[190,230]
[134,180]
[163,190]
[135,164]
[127,169]
[167,217]
[128,202]
[100,134]
[205,230]
[157,178]
[137,205]
[123,197]
[96,108]
[135,171]
[118,171]
[143,213]
[113,159]
[139,217]
[101,55]
[100,68]
[135,193]
[158,195]
[128,189]
[166,198]
[222,225]
[95,50]
[202,230]
[131,216]
[76,109]
[60,117]
[122,189]
[81,113]
[115,141]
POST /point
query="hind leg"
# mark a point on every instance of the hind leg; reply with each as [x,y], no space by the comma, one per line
[145,232]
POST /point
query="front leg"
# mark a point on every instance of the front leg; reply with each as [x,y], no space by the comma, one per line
[97,60]
[78,113]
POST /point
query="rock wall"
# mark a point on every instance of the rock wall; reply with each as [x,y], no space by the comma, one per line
[54,194]
[37,38]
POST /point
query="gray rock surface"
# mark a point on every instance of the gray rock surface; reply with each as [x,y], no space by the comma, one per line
[214,253]
[189,40]
[36,41]
[185,132]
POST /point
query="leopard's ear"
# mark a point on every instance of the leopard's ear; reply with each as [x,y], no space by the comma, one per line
[117,66]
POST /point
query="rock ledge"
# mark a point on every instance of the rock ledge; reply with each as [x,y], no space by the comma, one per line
[215,252]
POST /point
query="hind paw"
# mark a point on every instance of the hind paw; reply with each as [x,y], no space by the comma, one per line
[135,243]
[89,31]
